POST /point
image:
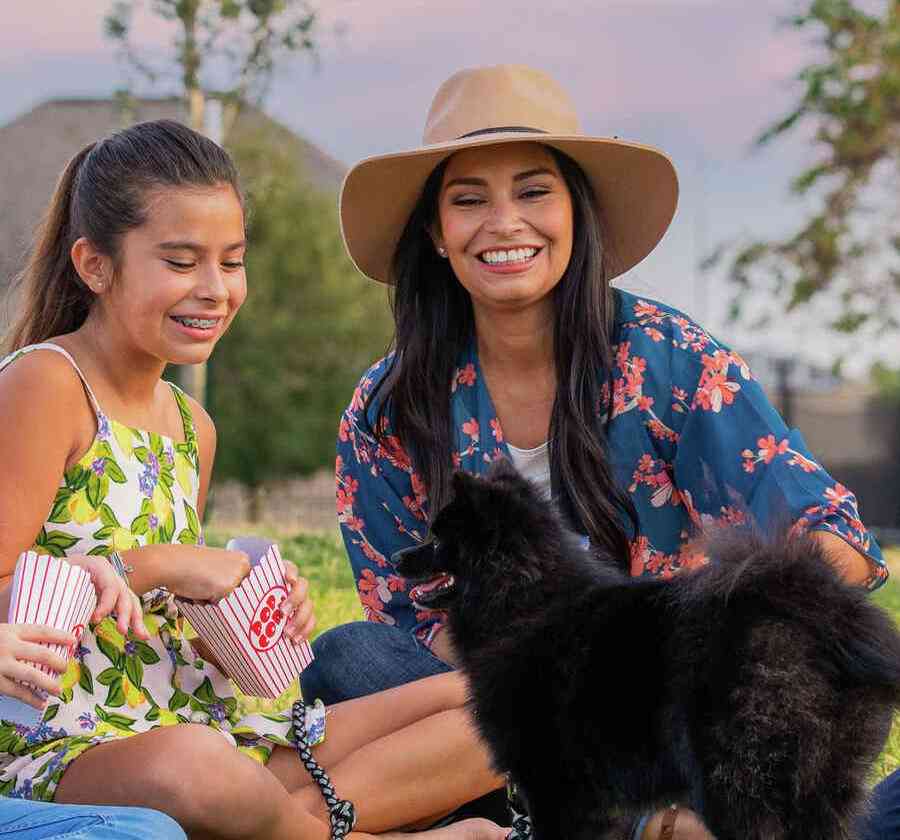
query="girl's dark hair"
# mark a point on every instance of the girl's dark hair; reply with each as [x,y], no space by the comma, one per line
[434,323]
[101,195]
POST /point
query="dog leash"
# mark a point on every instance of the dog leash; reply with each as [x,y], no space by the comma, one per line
[521,822]
[341,811]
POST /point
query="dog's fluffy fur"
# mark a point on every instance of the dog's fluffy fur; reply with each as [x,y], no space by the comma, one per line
[757,690]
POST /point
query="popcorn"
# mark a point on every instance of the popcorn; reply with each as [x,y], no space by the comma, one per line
[245,629]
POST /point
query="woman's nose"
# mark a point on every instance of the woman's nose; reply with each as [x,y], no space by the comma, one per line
[504,218]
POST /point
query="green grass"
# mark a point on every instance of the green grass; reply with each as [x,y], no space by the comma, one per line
[321,559]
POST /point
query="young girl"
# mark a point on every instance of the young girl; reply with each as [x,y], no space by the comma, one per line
[140,264]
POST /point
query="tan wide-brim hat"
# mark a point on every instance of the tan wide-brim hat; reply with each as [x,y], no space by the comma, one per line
[636,185]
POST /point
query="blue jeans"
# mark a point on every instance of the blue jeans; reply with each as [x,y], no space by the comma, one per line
[884,821]
[363,657]
[29,820]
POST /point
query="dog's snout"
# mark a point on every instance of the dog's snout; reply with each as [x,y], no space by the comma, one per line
[409,560]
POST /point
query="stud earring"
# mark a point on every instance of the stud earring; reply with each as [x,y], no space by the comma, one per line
[442,251]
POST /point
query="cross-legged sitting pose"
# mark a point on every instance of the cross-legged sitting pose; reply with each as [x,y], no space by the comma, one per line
[140,263]
[499,238]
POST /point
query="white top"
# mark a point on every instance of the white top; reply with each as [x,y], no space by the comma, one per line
[534,464]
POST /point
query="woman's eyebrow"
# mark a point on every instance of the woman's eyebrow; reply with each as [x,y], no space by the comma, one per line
[480,182]
[466,182]
[522,176]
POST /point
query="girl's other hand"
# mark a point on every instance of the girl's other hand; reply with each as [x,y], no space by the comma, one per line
[113,595]
[24,644]
[299,607]
[205,574]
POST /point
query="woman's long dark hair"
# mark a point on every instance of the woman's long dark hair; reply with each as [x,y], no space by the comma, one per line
[434,323]
[101,195]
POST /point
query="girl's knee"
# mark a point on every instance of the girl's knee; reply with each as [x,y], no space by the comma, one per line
[210,785]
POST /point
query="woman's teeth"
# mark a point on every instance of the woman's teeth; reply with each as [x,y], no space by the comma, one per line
[509,256]
[202,323]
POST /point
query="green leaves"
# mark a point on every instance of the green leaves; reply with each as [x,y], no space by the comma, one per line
[245,35]
[849,101]
[55,543]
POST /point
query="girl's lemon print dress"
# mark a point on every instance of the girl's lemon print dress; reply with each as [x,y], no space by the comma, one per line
[132,488]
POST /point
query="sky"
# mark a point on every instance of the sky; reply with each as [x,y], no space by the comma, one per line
[699,79]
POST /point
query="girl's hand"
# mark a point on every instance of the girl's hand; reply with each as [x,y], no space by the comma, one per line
[113,595]
[205,574]
[301,622]
[21,645]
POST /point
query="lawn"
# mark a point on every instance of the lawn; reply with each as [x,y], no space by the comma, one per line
[321,559]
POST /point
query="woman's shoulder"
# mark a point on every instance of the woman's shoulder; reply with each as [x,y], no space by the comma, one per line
[662,334]
[368,384]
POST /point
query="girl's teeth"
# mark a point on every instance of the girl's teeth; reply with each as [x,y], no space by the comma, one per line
[202,323]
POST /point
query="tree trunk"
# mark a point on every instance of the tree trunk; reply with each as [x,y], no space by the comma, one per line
[192,378]
[255,496]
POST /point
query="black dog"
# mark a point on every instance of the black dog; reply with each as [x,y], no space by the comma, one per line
[757,690]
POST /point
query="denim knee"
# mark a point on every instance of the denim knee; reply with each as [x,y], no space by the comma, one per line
[883,822]
[361,658]
[29,820]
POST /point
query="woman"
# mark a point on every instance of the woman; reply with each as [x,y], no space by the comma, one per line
[140,263]
[500,237]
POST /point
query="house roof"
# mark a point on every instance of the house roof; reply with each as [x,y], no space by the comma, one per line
[35,147]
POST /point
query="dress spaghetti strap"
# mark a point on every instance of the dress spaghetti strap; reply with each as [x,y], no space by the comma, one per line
[47,345]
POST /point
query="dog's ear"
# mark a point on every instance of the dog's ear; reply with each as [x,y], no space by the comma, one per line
[502,468]
[466,487]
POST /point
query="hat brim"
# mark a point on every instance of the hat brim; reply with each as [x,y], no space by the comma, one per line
[636,188]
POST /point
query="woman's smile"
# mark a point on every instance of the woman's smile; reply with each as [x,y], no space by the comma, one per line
[505,212]
[509,260]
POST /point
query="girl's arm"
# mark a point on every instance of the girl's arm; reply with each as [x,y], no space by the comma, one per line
[45,423]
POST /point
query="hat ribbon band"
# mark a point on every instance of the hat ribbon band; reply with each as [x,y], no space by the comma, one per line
[501,129]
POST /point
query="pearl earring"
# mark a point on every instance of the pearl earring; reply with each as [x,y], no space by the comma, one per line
[442,251]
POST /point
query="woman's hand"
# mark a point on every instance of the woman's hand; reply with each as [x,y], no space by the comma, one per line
[203,573]
[113,595]
[299,607]
[688,826]
[20,646]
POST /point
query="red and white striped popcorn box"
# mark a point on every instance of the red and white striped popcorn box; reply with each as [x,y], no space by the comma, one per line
[245,630]
[49,590]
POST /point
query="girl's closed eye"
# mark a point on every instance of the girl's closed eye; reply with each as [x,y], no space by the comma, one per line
[183,266]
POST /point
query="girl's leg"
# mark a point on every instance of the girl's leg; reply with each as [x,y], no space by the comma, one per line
[195,776]
[401,756]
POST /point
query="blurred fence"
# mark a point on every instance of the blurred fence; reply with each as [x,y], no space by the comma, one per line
[300,504]
[855,433]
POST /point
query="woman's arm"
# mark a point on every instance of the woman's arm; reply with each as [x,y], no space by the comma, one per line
[852,566]
[379,513]
[736,458]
